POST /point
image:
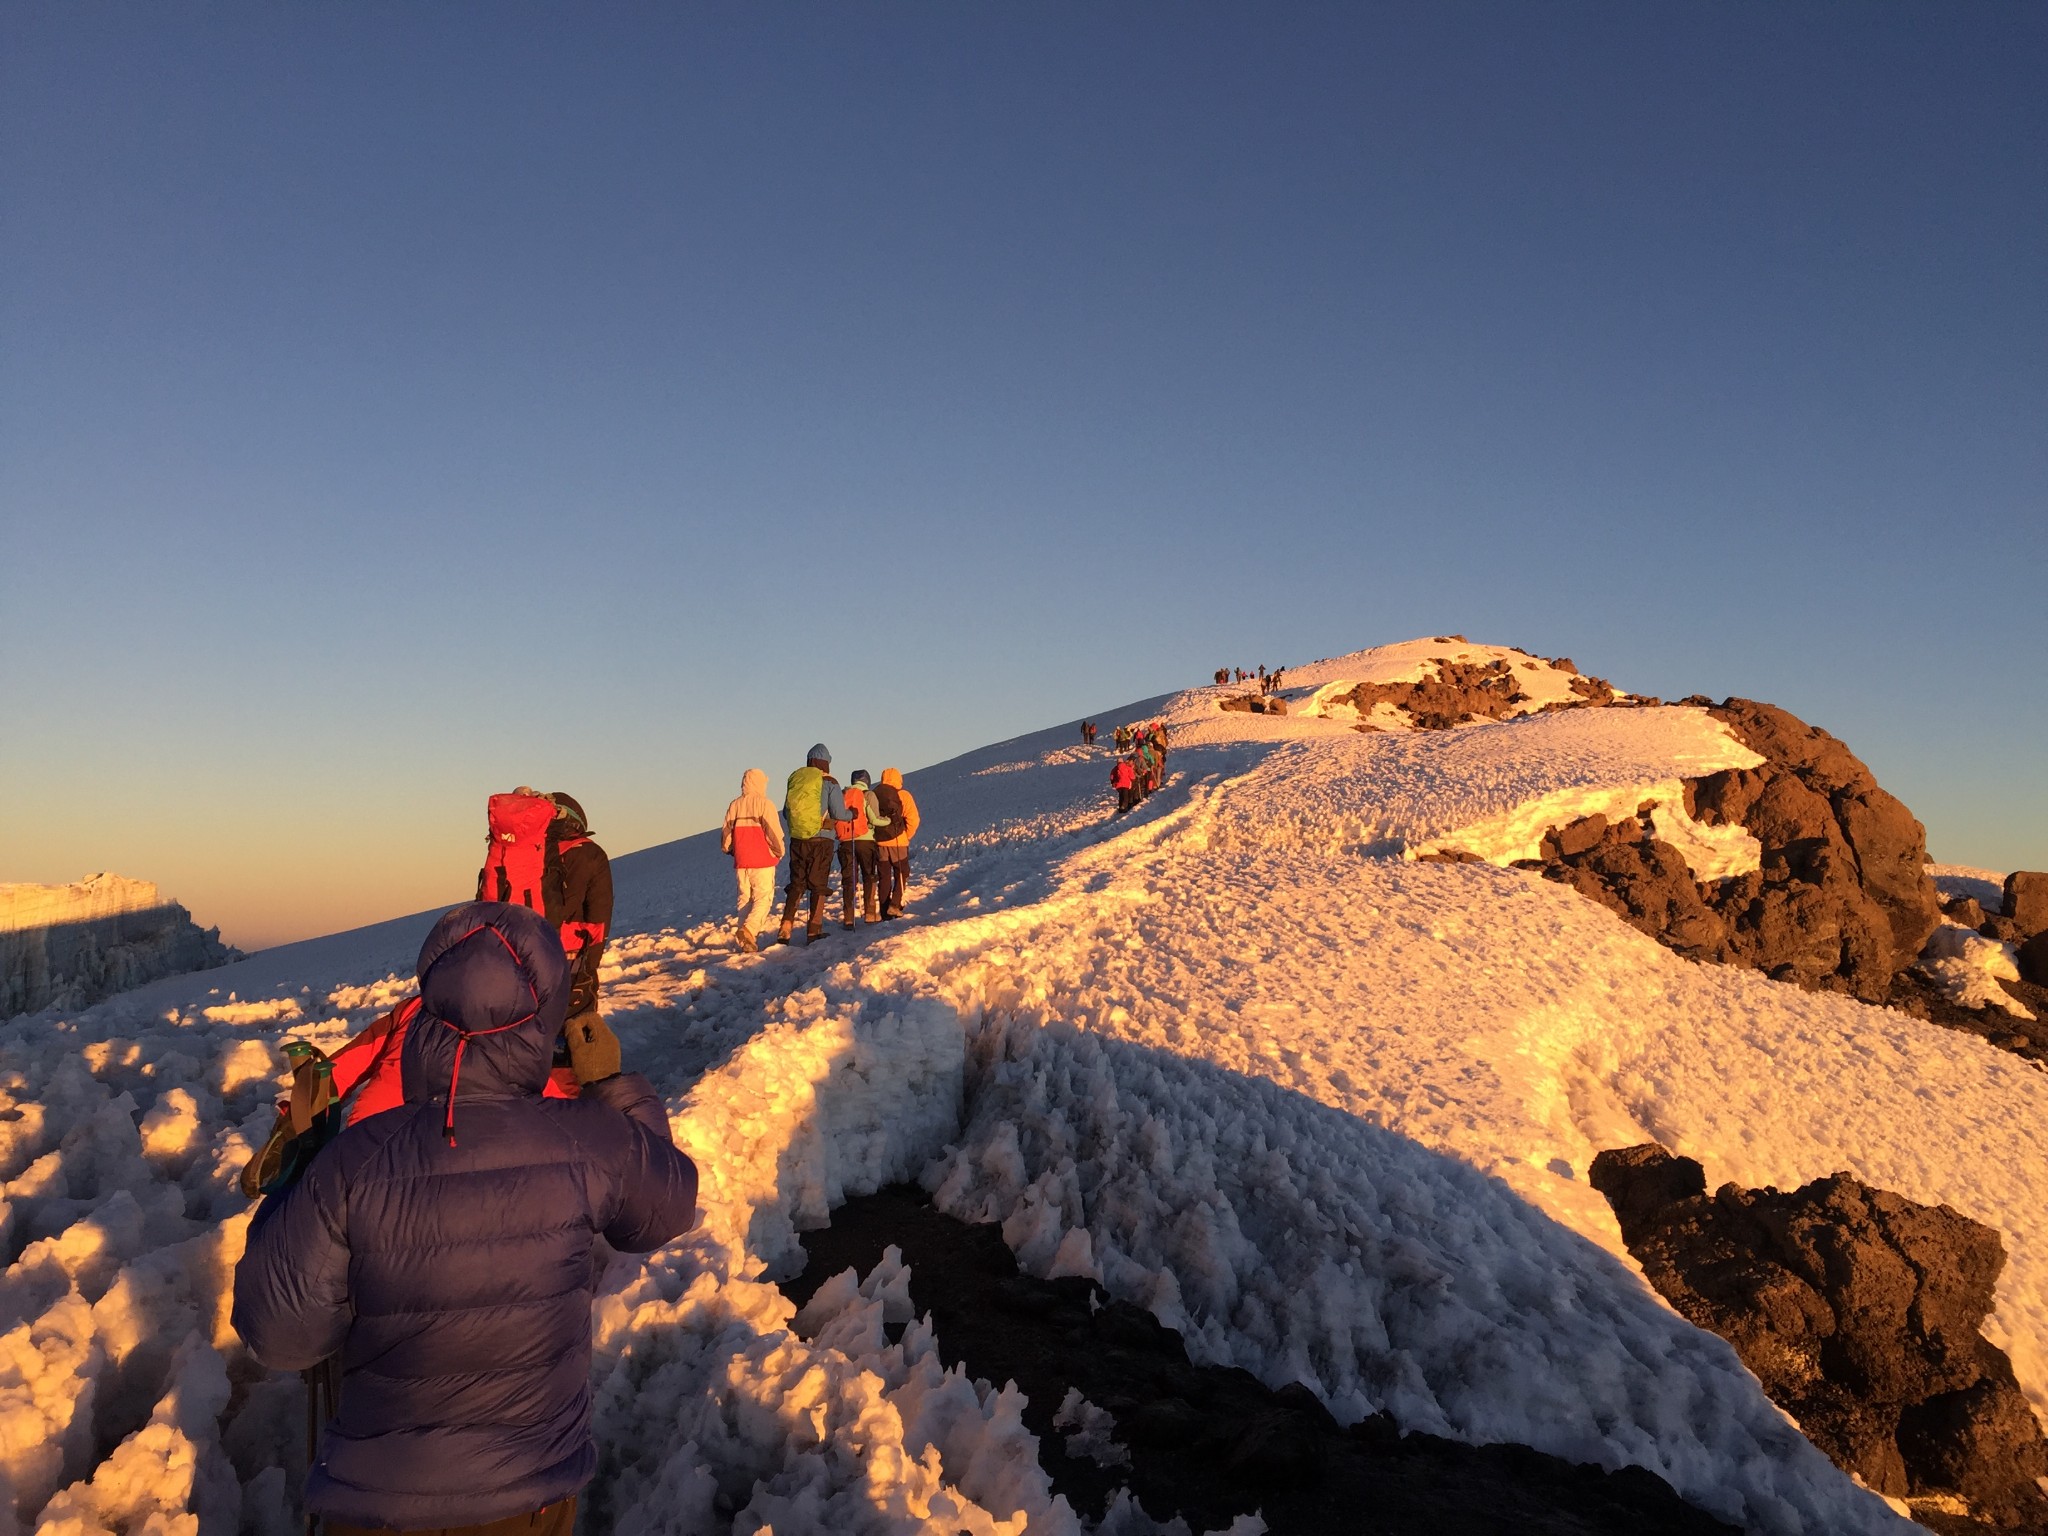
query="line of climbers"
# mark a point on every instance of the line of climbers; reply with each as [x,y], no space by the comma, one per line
[1141,766]
[1269,682]
[864,828]
[430,1274]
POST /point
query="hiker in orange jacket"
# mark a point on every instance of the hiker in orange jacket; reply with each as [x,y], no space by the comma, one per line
[893,852]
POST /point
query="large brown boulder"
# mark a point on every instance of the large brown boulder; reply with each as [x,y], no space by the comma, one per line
[2033,960]
[2026,902]
[1644,882]
[1860,1312]
[1841,899]
[1824,821]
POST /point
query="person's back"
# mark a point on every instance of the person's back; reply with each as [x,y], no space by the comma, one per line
[892,846]
[811,803]
[444,1249]
[859,845]
[753,836]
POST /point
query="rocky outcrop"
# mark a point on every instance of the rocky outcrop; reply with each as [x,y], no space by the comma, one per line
[1859,1311]
[1465,690]
[2022,921]
[70,945]
[1645,882]
[2026,903]
[1841,899]
[1824,823]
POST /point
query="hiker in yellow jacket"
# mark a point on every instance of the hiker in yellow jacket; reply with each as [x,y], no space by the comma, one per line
[894,851]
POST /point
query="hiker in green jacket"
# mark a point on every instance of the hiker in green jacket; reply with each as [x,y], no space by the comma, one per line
[812,804]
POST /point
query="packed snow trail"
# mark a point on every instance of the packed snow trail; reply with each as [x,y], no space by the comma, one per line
[1325,1109]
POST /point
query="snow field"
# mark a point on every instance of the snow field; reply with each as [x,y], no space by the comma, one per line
[1326,1110]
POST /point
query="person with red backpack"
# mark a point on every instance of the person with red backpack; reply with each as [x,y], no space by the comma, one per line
[442,1258]
[541,856]
[753,836]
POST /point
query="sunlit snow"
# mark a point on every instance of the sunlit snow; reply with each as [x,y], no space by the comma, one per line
[1326,1109]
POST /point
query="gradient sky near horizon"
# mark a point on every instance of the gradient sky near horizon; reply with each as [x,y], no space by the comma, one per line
[400,402]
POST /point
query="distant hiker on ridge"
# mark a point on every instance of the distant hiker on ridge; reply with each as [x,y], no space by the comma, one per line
[446,1251]
[858,858]
[893,851]
[812,802]
[753,836]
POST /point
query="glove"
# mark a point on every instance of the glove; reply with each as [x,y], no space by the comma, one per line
[593,1048]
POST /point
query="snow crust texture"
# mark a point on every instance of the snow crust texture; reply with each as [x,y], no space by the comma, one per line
[1326,1109]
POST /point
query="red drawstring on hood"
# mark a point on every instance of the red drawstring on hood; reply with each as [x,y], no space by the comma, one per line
[464,1036]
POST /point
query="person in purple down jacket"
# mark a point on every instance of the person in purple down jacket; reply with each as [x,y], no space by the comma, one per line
[445,1250]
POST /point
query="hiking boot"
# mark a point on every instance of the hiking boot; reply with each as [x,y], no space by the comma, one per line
[812,935]
[867,911]
[782,935]
[847,925]
[744,943]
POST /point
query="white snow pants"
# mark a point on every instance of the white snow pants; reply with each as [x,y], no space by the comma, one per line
[757,897]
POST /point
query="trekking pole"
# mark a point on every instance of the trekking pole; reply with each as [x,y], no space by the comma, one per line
[322,1392]
[311,1378]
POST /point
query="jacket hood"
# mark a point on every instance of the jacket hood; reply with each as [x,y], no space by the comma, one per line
[496,974]
[753,782]
[819,754]
[860,776]
[892,778]
[569,809]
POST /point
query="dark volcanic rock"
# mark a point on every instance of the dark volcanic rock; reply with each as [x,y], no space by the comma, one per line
[1644,881]
[1825,824]
[1253,704]
[1964,910]
[2033,958]
[2026,902]
[1920,995]
[1859,1311]
[1842,899]
[1210,1443]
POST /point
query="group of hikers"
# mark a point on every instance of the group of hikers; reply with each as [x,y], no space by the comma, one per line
[864,829]
[433,1193]
[1141,763]
[1269,682]
[426,1253]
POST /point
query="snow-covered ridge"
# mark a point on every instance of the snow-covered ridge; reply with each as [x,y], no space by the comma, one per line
[1326,1108]
[102,895]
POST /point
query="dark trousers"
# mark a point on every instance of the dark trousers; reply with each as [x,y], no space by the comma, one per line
[557,1519]
[1125,799]
[856,873]
[893,874]
[810,869]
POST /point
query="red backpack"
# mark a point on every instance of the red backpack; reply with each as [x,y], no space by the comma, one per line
[524,864]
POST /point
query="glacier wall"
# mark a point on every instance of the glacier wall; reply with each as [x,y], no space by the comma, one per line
[70,945]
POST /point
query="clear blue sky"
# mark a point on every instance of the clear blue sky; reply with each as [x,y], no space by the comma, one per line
[402,401]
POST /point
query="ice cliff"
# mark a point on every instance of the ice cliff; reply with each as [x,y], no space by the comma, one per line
[71,945]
